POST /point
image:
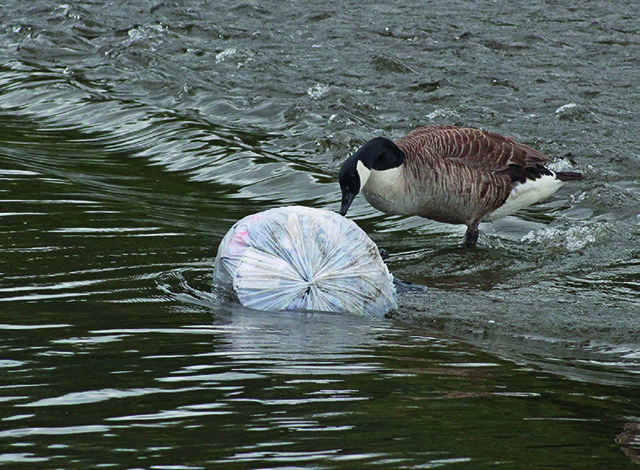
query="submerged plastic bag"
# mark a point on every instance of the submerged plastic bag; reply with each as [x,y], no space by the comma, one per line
[299,258]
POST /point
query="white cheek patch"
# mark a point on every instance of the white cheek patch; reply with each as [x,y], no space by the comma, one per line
[363,173]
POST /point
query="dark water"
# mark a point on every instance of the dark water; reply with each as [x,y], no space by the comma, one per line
[133,134]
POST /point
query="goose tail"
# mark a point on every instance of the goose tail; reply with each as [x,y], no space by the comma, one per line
[568,175]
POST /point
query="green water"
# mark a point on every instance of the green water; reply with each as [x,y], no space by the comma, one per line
[134,134]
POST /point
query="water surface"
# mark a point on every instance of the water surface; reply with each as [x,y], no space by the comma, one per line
[133,135]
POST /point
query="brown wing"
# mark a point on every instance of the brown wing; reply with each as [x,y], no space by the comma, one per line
[475,148]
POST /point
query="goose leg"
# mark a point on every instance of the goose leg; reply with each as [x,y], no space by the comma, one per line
[471,237]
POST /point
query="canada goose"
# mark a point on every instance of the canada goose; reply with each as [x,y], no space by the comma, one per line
[449,174]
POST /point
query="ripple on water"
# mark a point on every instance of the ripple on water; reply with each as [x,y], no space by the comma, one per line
[206,152]
[134,137]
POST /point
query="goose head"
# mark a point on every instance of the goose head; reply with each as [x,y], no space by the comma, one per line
[378,154]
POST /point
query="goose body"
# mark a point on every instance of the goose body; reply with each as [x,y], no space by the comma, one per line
[449,174]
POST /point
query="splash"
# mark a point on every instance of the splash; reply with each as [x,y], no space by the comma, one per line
[318,91]
[569,236]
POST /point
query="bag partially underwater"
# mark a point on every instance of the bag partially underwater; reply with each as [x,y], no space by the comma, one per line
[300,258]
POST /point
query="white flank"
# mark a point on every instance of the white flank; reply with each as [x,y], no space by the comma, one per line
[526,194]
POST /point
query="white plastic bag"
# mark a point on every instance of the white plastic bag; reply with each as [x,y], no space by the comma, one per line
[299,258]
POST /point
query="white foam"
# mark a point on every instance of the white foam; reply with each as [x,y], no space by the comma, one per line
[572,237]
[562,164]
[566,108]
[318,91]
[442,113]
[222,56]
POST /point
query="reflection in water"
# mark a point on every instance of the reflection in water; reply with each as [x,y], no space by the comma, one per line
[267,388]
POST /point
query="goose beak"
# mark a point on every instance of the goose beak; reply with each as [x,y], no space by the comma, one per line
[347,199]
